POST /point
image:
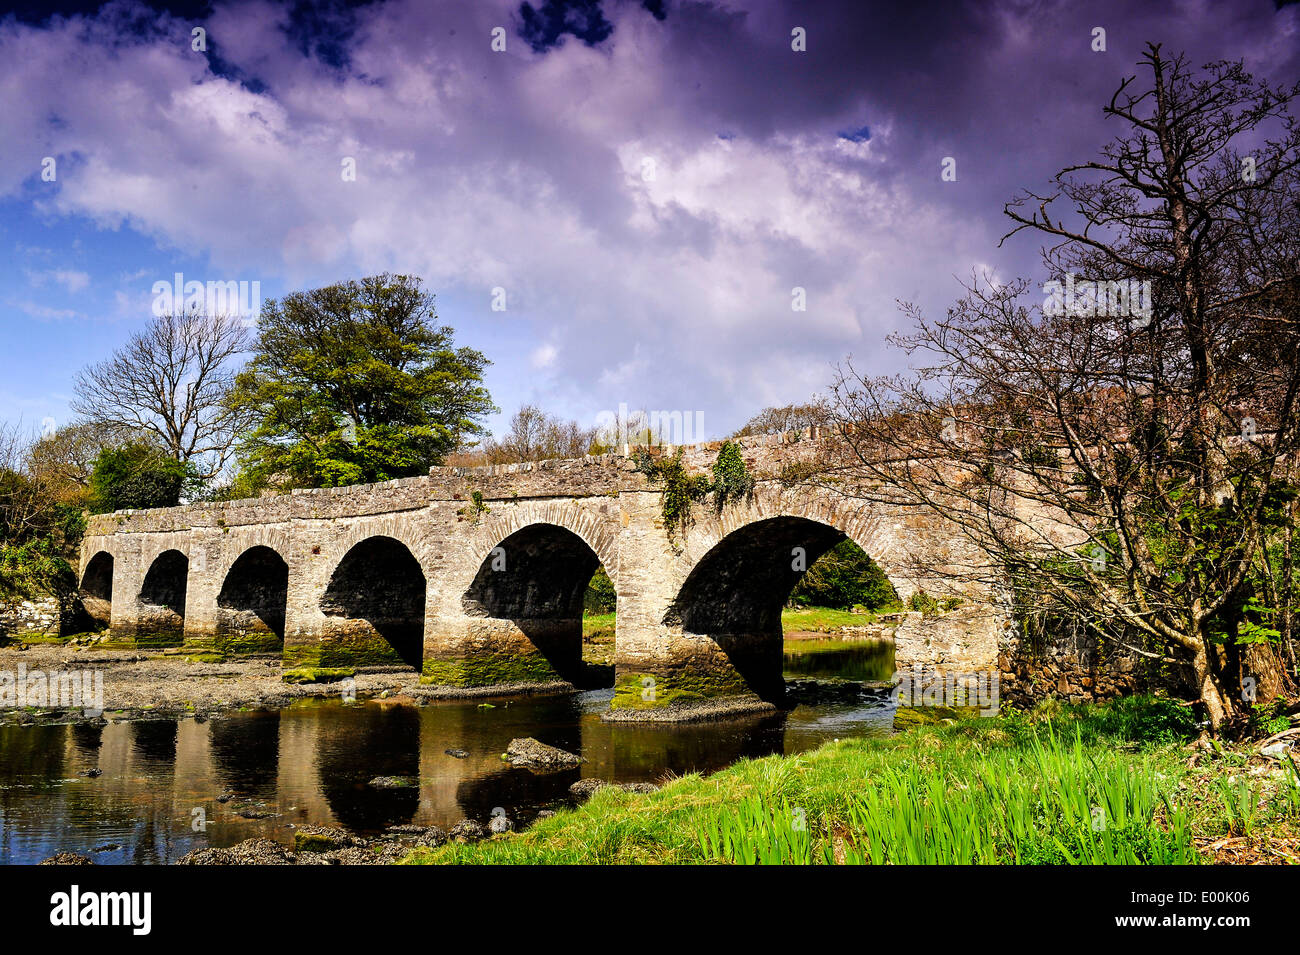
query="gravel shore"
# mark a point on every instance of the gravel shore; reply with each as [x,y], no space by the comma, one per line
[147,685]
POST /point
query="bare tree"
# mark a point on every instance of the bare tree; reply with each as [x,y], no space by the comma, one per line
[1127,457]
[779,420]
[64,459]
[535,435]
[171,381]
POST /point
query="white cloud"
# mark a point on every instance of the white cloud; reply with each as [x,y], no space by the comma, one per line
[516,171]
[70,279]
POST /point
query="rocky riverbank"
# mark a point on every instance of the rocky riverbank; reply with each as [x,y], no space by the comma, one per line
[330,845]
[139,685]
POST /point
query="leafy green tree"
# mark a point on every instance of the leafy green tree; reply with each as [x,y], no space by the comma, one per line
[844,577]
[39,529]
[600,596]
[355,383]
[137,475]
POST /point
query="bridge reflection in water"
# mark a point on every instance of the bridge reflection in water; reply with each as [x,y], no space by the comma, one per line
[313,764]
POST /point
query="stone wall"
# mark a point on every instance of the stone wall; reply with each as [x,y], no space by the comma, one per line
[1076,668]
[33,618]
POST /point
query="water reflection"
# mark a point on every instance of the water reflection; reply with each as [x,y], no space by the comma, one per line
[355,745]
[246,753]
[314,763]
[858,660]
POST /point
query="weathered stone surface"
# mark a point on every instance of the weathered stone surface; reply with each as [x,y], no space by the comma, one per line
[528,753]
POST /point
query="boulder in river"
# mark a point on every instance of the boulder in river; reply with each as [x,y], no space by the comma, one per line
[321,839]
[67,858]
[528,753]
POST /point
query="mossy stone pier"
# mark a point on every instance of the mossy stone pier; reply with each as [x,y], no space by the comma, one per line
[474,578]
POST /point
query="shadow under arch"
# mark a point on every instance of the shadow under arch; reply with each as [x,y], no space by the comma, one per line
[161,617]
[536,579]
[252,604]
[735,593]
[97,593]
[376,599]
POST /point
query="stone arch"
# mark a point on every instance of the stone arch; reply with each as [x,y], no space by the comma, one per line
[161,613]
[97,590]
[874,528]
[734,594]
[397,527]
[374,606]
[253,602]
[531,585]
[598,531]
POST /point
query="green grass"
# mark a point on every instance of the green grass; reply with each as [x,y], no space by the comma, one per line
[823,619]
[1061,784]
[598,624]
[806,619]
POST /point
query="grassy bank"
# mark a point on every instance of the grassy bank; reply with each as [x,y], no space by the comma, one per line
[823,619]
[1117,783]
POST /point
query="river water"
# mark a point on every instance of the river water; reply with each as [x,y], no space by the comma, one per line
[169,786]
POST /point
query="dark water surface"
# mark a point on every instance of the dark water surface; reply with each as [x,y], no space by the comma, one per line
[312,763]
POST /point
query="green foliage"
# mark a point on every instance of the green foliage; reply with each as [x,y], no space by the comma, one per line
[476,507]
[137,475]
[354,383]
[34,568]
[732,483]
[600,597]
[751,834]
[843,578]
[681,490]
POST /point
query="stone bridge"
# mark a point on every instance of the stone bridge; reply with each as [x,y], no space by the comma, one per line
[474,577]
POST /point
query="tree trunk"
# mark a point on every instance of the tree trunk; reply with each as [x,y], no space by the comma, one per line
[1218,708]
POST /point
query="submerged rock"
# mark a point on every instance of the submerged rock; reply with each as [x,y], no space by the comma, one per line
[394,782]
[528,753]
[321,839]
[458,753]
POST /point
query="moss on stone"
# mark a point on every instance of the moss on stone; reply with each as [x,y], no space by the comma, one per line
[489,670]
[158,639]
[251,643]
[351,650]
[675,688]
[209,657]
[318,674]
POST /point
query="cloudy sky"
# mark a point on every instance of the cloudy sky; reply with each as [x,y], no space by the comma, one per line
[647,182]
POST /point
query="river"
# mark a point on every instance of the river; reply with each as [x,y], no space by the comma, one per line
[169,786]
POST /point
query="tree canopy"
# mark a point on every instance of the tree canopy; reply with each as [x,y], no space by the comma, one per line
[356,383]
